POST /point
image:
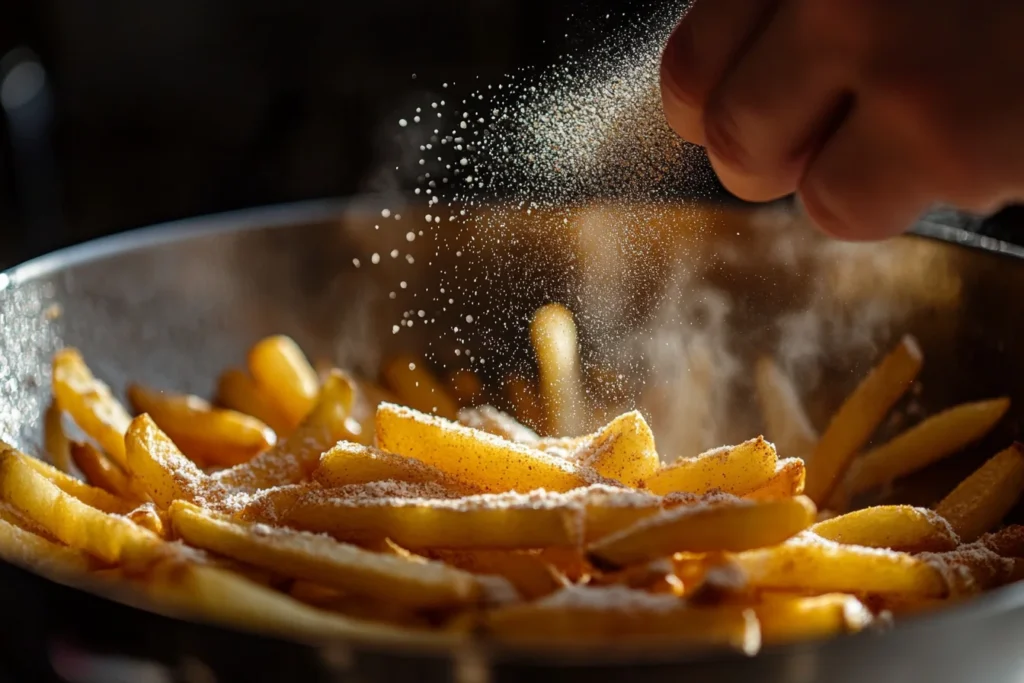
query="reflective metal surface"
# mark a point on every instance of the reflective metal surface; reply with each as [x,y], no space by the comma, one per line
[677,312]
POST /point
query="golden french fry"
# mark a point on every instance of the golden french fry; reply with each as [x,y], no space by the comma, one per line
[983,499]
[526,403]
[237,390]
[787,481]
[579,615]
[489,521]
[55,441]
[417,387]
[90,495]
[786,619]
[933,439]
[704,527]
[493,421]
[825,567]
[326,561]
[608,509]
[108,537]
[553,332]
[736,469]
[163,472]
[623,450]
[859,416]
[466,386]
[205,434]
[101,471]
[655,577]
[350,463]
[147,516]
[294,458]
[90,403]
[356,606]
[477,458]
[897,527]
[528,573]
[23,547]
[223,597]
[282,370]
[785,420]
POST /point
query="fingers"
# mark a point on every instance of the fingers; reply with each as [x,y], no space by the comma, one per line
[864,183]
[772,110]
[705,43]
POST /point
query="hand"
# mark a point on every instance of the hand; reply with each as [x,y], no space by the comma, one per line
[871,110]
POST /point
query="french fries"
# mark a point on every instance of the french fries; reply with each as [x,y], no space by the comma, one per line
[897,527]
[417,387]
[553,332]
[623,450]
[984,498]
[475,457]
[110,538]
[238,391]
[786,423]
[207,435]
[278,365]
[442,531]
[348,463]
[325,561]
[859,416]
[90,403]
[738,470]
[704,527]
[933,439]
[100,471]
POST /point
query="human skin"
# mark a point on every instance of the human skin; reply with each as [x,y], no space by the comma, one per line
[869,110]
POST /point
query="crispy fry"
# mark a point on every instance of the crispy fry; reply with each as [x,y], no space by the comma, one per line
[163,472]
[490,521]
[788,481]
[826,567]
[580,615]
[147,516]
[22,547]
[623,450]
[655,577]
[897,527]
[417,387]
[356,606]
[466,387]
[933,439]
[785,420]
[531,576]
[786,619]
[208,435]
[717,526]
[553,332]
[282,370]
[108,537]
[859,416]
[90,403]
[294,458]
[472,456]
[983,499]
[737,470]
[226,598]
[493,421]
[237,390]
[526,402]
[90,495]
[55,441]
[325,561]
[101,471]
[350,463]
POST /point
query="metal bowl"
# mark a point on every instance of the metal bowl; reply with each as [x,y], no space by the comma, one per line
[674,303]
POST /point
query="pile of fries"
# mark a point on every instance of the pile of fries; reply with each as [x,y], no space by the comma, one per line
[315,505]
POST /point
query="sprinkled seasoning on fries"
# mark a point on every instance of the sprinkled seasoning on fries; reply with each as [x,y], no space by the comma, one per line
[313,505]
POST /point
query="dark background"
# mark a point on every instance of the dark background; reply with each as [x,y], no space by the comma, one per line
[163,109]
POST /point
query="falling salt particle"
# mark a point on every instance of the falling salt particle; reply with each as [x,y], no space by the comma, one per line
[375,259]
[403,123]
[355,262]
[394,253]
[392,295]
[469,318]
[416,119]
[412,366]
[386,213]
[403,284]
[464,161]
[421,313]
[409,258]
[394,329]
[429,217]
[410,236]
